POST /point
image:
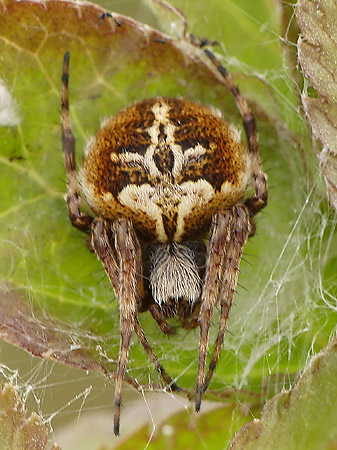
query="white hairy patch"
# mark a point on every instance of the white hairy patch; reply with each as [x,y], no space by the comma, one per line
[174,274]
[169,130]
[235,133]
[88,191]
[105,122]
[90,145]
[227,188]
[216,111]
[179,160]
[149,164]
[129,158]
[160,111]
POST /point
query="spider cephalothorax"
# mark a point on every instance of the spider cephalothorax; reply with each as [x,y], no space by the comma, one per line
[166,181]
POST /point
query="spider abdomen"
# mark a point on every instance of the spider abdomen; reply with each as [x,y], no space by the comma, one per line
[166,164]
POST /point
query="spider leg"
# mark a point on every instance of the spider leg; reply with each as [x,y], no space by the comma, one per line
[126,245]
[193,321]
[239,234]
[221,226]
[117,246]
[259,179]
[145,343]
[102,239]
[77,218]
[158,316]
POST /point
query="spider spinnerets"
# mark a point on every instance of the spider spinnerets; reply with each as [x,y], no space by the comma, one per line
[166,180]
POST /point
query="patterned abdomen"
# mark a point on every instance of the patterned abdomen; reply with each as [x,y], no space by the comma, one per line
[166,164]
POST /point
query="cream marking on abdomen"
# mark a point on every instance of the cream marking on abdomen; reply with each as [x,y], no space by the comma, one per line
[153,200]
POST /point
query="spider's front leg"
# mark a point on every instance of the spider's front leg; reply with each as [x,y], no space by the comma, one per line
[230,230]
[240,231]
[118,248]
[76,216]
[126,247]
[259,179]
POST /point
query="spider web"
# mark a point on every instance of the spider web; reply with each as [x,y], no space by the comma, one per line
[286,299]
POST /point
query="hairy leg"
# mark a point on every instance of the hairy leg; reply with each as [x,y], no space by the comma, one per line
[158,316]
[117,246]
[259,179]
[221,226]
[145,343]
[77,217]
[239,234]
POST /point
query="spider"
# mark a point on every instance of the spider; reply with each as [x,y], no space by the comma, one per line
[166,180]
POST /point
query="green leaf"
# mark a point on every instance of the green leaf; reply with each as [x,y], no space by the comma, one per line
[47,271]
[213,428]
[55,299]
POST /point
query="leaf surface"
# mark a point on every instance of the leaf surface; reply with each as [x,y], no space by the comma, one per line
[317,48]
[303,418]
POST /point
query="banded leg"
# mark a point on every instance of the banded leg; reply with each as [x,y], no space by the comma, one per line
[102,242]
[239,235]
[126,245]
[221,226]
[259,179]
[120,253]
[76,216]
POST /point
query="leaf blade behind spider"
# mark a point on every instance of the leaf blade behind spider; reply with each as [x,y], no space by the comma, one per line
[45,261]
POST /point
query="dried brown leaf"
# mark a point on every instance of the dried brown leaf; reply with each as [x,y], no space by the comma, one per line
[16,431]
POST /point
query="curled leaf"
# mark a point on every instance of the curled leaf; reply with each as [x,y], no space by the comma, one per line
[317,48]
[303,418]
